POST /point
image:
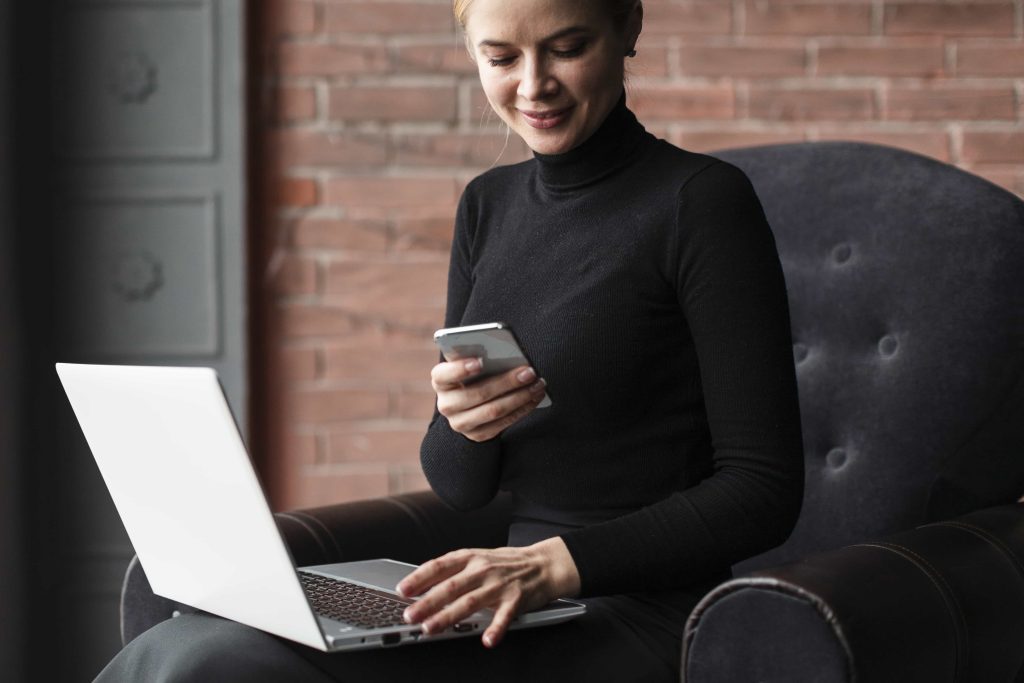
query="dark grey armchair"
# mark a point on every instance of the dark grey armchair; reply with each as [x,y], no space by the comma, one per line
[906,284]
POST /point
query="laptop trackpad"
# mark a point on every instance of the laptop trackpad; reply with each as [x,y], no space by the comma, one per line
[381,574]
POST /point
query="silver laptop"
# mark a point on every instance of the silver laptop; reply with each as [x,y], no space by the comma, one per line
[176,467]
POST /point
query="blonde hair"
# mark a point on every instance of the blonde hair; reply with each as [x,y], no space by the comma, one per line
[619,9]
[460,7]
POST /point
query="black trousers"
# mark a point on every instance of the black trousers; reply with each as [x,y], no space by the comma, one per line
[621,638]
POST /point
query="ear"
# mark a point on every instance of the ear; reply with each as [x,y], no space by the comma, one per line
[634,25]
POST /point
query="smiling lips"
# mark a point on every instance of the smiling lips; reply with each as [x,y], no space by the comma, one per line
[546,119]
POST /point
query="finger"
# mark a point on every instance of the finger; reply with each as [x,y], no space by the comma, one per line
[499,624]
[432,572]
[495,409]
[443,595]
[462,608]
[460,399]
[451,374]
[509,410]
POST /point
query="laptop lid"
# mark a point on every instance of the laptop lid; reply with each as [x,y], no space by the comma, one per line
[168,449]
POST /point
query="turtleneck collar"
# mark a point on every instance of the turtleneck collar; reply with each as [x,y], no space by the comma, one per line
[600,155]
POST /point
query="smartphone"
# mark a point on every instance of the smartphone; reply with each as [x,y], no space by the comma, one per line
[493,343]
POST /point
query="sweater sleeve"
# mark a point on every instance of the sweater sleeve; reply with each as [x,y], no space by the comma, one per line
[462,472]
[730,287]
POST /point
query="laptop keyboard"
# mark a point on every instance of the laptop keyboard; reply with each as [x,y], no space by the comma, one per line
[352,603]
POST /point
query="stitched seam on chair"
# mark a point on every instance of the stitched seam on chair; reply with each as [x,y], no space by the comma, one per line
[774,585]
[124,591]
[991,538]
[298,518]
[945,591]
[1001,546]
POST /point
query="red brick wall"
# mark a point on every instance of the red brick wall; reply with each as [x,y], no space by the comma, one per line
[368,121]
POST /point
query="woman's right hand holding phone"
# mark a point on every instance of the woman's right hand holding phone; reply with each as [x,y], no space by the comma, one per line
[485,408]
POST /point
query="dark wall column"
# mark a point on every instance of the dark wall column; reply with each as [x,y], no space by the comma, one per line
[12,552]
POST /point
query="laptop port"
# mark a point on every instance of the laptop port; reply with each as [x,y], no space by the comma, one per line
[462,628]
[391,639]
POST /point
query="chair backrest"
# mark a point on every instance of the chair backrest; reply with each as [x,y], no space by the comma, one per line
[906,287]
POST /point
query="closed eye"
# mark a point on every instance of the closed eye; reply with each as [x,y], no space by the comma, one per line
[574,51]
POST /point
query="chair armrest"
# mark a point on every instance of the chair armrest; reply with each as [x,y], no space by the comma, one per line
[942,602]
[412,527]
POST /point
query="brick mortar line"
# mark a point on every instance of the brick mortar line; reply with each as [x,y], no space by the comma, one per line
[319,449]
[811,57]
[674,59]
[320,276]
[394,480]
[403,40]
[826,81]
[383,37]
[328,468]
[321,93]
[877,42]
[372,80]
[347,431]
[392,128]
[741,100]
[357,427]
[361,255]
[384,173]
[741,41]
[775,126]
[356,318]
[322,38]
[398,258]
[452,170]
[956,143]
[319,17]
[361,384]
[397,81]
[331,340]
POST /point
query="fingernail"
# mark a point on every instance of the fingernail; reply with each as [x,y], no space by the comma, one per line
[526,375]
[473,364]
[538,387]
[427,628]
[488,640]
[407,615]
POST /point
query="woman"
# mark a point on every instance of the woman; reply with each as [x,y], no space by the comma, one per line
[643,281]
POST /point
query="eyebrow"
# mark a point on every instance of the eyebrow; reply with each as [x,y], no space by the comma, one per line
[554,36]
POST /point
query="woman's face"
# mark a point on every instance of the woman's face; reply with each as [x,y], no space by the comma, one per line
[551,69]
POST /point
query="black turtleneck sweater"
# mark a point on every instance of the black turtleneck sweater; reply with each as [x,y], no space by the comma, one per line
[644,284]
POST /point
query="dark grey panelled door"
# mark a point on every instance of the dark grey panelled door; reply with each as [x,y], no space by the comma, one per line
[148,132]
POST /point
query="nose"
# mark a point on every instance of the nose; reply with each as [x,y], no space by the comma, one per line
[536,80]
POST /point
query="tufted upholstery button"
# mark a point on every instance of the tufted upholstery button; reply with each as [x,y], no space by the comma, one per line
[836,458]
[800,352]
[842,253]
[888,345]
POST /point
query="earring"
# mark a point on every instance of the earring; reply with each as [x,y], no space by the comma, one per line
[631,53]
